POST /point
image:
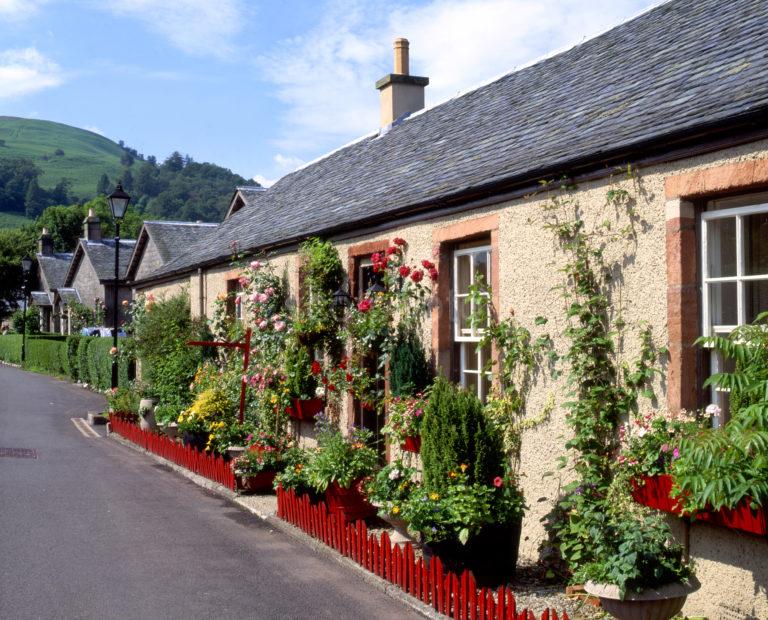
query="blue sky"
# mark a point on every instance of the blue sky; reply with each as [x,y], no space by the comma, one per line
[262,87]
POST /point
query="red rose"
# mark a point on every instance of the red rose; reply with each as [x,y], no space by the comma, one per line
[316,368]
[364,305]
[343,363]
[433,274]
[348,377]
[405,271]
[289,410]
[376,258]
[332,387]
[427,264]
[398,241]
[417,275]
[392,250]
[325,380]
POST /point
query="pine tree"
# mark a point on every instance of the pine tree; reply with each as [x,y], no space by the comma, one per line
[103,187]
[35,199]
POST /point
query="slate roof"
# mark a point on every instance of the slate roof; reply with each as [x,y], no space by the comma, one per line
[680,69]
[41,298]
[68,294]
[246,196]
[54,269]
[101,254]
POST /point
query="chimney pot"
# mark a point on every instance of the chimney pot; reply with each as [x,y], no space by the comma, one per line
[45,243]
[92,227]
[401,56]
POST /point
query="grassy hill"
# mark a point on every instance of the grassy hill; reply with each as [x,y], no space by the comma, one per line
[12,220]
[86,157]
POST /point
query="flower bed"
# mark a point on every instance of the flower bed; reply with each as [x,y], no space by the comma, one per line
[448,593]
[213,468]
[654,492]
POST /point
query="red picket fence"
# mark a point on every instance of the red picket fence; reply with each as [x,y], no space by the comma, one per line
[213,468]
[450,594]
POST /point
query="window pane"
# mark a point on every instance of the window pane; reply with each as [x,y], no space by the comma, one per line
[470,381]
[463,274]
[721,247]
[722,303]
[481,266]
[485,357]
[756,244]
[485,386]
[756,292]
[463,311]
[469,356]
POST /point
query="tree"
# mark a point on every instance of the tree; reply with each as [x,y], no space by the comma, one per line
[65,223]
[59,195]
[35,200]
[15,243]
[174,163]
[127,180]
[103,187]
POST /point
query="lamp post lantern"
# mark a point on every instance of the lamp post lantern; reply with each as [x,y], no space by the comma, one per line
[118,204]
[26,265]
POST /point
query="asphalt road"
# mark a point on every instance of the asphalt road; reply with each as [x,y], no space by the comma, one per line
[92,529]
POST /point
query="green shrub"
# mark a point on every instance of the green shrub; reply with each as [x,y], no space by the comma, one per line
[99,363]
[73,342]
[81,355]
[455,432]
[32,320]
[10,348]
[409,369]
[48,356]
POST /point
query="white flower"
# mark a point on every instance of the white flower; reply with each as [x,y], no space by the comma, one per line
[713,411]
[642,431]
[395,474]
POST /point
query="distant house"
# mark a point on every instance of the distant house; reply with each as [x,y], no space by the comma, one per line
[161,242]
[90,279]
[52,270]
[680,94]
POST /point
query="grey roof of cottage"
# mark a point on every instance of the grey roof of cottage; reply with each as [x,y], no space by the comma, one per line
[68,294]
[678,70]
[101,255]
[246,196]
[41,298]
[54,268]
[172,239]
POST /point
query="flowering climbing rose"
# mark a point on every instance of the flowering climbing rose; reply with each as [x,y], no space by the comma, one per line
[417,275]
[364,305]
[405,271]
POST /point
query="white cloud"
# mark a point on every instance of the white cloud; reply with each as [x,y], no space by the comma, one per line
[19,9]
[263,181]
[287,163]
[25,71]
[198,27]
[325,78]
[95,129]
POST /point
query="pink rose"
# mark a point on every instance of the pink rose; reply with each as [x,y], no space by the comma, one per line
[262,297]
[255,264]
[262,325]
[364,305]
[237,300]
[498,482]
[279,326]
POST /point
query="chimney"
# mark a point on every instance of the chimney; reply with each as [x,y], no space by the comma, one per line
[401,93]
[45,243]
[92,227]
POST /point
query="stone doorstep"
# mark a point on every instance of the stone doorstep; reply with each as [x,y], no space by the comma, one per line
[269,514]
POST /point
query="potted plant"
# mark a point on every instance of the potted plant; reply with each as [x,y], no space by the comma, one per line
[294,474]
[636,571]
[255,471]
[404,419]
[166,415]
[388,491]
[338,468]
[302,379]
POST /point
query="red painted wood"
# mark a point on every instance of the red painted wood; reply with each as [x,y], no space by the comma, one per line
[511,606]
[440,584]
[501,604]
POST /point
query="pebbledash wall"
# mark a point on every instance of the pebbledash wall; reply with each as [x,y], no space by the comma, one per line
[659,287]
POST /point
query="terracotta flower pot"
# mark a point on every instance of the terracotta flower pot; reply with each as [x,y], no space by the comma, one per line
[659,603]
[349,504]
[306,410]
[262,481]
[411,444]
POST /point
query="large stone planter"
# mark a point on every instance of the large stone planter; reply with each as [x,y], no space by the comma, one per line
[659,603]
[147,414]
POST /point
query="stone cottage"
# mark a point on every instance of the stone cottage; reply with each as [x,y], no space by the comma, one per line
[52,270]
[679,98]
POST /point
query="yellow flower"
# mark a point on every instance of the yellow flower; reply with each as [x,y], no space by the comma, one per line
[452,474]
[463,467]
[273,400]
[434,497]
[395,510]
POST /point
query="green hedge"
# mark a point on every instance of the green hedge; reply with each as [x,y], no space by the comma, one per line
[10,348]
[83,358]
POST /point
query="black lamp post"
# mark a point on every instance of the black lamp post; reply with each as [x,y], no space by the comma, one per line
[341,298]
[26,265]
[118,204]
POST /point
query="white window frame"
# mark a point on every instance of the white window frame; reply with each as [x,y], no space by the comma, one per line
[717,363]
[740,278]
[476,333]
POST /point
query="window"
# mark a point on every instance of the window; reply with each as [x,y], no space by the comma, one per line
[234,289]
[471,265]
[734,240]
